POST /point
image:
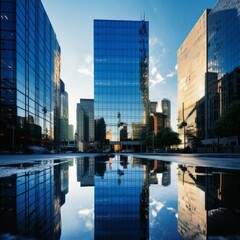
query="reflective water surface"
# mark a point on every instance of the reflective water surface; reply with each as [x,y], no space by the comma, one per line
[118,197]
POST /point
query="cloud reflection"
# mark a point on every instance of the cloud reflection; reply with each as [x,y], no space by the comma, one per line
[88,216]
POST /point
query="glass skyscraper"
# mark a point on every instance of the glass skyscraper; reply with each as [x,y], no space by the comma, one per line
[223,74]
[85,124]
[121,79]
[30,77]
[209,73]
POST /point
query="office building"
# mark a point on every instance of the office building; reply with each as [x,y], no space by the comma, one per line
[208,73]
[64,113]
[70,132]
[223,69]
[30,77]
[121,206]
[192,67]
[85,124]
[166,109]
[121,78]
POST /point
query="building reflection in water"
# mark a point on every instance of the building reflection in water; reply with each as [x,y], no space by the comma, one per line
[122,200]
[30,201]
[85,171]
[160,173]
[208,202]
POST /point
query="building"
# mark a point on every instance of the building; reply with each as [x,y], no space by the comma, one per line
[208,73]
[192,67]
[153,107]
[64,113]
[30,77]
[121,200]
[223,69]
[85,124]
[166,109]
[70,132]
[121,76]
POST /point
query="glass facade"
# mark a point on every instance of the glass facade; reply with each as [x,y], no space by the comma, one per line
[121,79]
[192,67]
[30,76]
[64,113]
[209,72]
[85,123]
[121,207]
[223,76]
[31,202]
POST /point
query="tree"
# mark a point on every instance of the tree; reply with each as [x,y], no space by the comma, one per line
[229,124]
[167,138]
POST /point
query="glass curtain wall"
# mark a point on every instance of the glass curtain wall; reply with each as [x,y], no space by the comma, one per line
[121,76]
[30,69]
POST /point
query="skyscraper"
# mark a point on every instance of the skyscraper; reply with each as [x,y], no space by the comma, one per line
[121,76]
[30,77]
[64,113]
[223,69]
[208,72]
[166,109]
[192,67]
[85,123]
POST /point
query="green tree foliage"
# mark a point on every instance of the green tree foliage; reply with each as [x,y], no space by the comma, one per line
[229,124]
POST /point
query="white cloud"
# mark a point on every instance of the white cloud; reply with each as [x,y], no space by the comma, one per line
[176,67]
[88,216]
[171,209]
[86,69]
[157,205]
[154,70]
[153,41]
[88,59]
[85,212]
[171,74]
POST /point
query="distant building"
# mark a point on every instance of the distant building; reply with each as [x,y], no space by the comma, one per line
[70,132]
[153,107]
[85,123]
[166,109]
[30,77]
[64,113]
[158,121]
[121,78]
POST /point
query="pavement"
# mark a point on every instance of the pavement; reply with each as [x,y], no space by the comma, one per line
[219,160]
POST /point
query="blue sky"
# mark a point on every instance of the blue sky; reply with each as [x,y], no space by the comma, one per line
[170,21]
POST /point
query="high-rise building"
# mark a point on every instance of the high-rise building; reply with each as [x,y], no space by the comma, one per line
[64,113]
[223,69]
[192,67]
[30,77]
[70,132]
[85,123]
[208,72]
[121,78]
[166,109]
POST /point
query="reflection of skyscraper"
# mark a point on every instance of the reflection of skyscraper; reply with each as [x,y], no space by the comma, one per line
[160,172]
[85,122]
[208,202]
[121,59]
[30,75]
[85,171]
[121,203]
[30,203]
